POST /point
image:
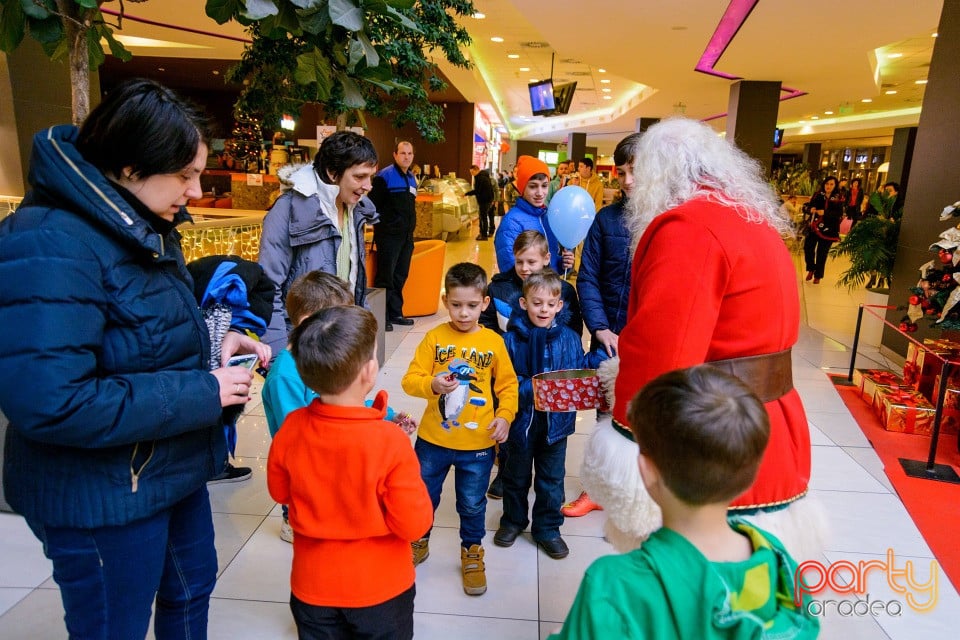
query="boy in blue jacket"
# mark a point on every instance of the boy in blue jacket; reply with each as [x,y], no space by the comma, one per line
[603,282]
[538,341]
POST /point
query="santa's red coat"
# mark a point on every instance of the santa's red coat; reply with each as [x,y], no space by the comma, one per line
[709,285]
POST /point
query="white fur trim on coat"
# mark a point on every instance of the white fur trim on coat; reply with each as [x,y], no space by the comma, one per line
[610,475]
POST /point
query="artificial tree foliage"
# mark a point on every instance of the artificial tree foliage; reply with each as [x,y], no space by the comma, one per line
[65,28]
[351,57]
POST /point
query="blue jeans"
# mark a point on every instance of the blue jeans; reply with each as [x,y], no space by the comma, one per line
[471,475]
[549,462]
[109,576]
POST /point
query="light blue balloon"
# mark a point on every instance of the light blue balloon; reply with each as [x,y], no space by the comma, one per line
[570,214]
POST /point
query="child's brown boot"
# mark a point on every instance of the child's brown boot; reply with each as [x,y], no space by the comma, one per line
[474,576]
[421,550]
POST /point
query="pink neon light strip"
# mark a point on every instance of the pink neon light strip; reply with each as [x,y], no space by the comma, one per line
[154,23]
[733,18]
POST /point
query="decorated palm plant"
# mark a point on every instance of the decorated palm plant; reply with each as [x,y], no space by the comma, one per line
[871,246]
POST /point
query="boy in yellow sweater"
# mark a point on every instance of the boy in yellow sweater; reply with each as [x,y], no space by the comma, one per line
[458,368]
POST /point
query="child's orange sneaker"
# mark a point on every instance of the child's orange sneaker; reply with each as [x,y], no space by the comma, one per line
[580,507]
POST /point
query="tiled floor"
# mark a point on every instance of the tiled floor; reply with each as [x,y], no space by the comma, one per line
[528,592]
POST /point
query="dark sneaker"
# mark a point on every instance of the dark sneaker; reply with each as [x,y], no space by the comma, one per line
[556,548]
[231,473]
[402,321]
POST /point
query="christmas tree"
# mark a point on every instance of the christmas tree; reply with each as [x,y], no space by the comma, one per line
[247,142]
[937,295]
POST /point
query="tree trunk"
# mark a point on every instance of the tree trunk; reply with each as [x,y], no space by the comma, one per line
[76,22]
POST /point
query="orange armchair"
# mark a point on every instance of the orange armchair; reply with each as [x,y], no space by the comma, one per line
[421,293]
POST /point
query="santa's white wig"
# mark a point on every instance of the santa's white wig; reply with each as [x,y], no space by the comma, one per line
[679,159]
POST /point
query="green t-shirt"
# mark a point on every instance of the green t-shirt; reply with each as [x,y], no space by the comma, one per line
[668,589]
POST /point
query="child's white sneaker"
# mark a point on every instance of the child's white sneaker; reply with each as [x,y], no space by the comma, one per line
[286,531]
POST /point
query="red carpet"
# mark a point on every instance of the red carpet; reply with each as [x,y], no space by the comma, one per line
[934,506]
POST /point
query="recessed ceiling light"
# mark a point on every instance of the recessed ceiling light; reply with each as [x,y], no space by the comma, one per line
[605,81]
[160,69]
[524,68]
[608,97]
[606,90]
[804,121]
[496,39]
[923,81]
[479,16]
[934,34]
[894,55]
[891,92]
[215,72]
[513,56]
[867,100]
[534,79]
[602,70]
[828,113]
[815,117]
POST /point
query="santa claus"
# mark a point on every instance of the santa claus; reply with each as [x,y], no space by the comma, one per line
[712,282]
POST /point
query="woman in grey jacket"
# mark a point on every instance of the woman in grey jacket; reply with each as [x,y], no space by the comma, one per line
[304,230]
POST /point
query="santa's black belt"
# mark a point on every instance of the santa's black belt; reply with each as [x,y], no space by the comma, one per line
[769,376]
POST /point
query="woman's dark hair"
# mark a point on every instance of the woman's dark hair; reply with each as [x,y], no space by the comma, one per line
[823,185]
[145,126]
[857,180]
[339,152]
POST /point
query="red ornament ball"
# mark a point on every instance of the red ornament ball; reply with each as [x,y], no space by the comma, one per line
[930,311]
[912,327]
[945,257]
[904,326]
[914,299]
[946,277]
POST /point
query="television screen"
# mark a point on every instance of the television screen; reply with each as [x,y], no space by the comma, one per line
[777,138]
[541,98]
[563,97]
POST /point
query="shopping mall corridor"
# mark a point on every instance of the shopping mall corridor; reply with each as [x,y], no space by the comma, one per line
[529,593]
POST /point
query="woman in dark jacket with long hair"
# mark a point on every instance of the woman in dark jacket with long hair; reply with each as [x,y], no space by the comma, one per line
[115,417]
[827,208]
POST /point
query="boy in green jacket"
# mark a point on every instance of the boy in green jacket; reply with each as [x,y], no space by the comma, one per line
[701,435]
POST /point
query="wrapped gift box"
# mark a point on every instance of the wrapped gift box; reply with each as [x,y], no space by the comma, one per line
[910,373]
[905,411]
[568,390]
[929,365]
[950,415]
[867,381]
[941,344]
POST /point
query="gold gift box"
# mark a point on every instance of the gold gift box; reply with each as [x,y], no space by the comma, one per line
[905,411]
[868,380]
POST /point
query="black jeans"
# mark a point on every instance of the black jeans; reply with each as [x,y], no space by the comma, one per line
[390,620]
[393,266]
[815,251]
[487,215]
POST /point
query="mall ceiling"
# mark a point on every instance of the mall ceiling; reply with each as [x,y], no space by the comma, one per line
[859,59]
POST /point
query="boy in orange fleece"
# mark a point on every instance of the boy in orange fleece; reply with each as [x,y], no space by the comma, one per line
[353,486]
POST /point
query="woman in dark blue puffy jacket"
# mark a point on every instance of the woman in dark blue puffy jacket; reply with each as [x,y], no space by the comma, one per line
[114,414]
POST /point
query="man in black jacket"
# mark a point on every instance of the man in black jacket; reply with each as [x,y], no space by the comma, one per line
[394,193]
[485,191]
